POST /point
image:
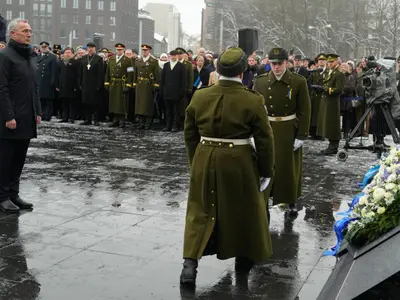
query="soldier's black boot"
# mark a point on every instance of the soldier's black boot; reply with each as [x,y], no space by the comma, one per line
[189,271]
[243,264]
[115,123]
[16,200]
[332,148]
[293,212]
[175,128]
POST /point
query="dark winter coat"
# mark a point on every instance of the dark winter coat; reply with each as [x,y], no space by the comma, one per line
[19,95]
[349,92]
[173,82]
[68,82]
[92,79]
[302,71]
[47,75]
[204,77]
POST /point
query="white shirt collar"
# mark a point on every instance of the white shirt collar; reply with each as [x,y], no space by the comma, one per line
[145,59]
[220,77]
[278,78]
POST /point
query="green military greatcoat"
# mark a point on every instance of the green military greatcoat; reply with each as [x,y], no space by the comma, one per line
[224,197]
[147,80]
[189,89]
[119,75]
[283,98]
[329,110]
[316,78]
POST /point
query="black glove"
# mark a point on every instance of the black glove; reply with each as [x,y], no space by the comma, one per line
[126,90]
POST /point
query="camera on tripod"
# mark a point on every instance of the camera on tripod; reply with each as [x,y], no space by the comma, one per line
[383,105]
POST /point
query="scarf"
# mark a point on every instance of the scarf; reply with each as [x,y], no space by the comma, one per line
[22,49]
[173,64]
[161,64]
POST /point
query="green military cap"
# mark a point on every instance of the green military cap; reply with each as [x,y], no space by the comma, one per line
[332,57]
[181,50]
[119,46]
[278,55]
[321,56]
[232,62]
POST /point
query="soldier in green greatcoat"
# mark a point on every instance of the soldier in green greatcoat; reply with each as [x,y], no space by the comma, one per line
[288,103]
[316,79]
[119,80]
[147,83]
[329,110]
[226,212]
[183,58]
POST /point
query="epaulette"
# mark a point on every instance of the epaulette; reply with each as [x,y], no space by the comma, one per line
[261,75]
[253,91]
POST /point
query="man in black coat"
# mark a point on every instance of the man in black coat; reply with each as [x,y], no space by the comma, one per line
[173,89]
[299,68]
[47,69]
[20,111]
[92,83]
[68,85]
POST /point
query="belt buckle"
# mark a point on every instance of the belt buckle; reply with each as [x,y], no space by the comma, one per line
[278,119]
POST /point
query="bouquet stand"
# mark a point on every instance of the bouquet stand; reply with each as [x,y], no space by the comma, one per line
[358,269]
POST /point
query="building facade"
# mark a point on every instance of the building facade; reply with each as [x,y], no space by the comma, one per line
[74,22]
[146,29]
[167,22]
[160,45]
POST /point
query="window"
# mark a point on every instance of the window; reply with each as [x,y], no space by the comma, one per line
[112,36]
[42,24]
[75,4]
[49,25]
[63,33]
[88,19]
[35,24]
[22,14]
[100,5]
[88,4]
[42,9]
[63,4]
[21,2]
[76,19]
[87,34]
[9,15]
[9,2]
[112,6]
[49,8]
[63,18]
[35,9]
[112,21]
[100,20]
[75,34]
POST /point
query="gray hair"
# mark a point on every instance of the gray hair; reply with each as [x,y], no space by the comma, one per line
[14,23]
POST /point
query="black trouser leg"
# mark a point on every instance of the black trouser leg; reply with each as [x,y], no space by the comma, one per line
[347,120]
[175,115]
[89,113]
[65,108]
[12,160]
[43,104]
[73,108]
[169,108]
[49,108]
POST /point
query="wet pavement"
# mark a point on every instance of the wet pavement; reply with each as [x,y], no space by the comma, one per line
[109,218]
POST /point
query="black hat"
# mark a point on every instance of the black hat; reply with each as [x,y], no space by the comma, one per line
[311,63]
[174,52]
[134,51]
[298,56]
[277,55]
[90,44]
[232,62]
[44,44]
[307,59]
[119,46]
[332,57]
[56,47]
[189,51]
[181,50]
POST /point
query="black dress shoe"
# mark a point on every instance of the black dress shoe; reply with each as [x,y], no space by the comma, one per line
[96,123]
[114,124]
[189,272]
[174,129]
[86,123]
[166,129]
[122,125]
[8,207]
[63,121]
[72,121]
[21,203]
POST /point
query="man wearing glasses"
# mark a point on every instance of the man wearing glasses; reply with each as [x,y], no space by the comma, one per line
[20,112]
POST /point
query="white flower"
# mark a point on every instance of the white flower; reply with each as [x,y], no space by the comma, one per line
[364,212]
[390,186]
[370,214]
[392,178]
[363,200]
[379,193]
[381,210]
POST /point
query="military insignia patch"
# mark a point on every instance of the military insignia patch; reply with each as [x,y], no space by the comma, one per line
[151,76]
[276,51]
[130,70]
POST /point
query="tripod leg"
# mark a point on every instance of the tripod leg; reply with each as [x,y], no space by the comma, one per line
[361,122]
[390,122]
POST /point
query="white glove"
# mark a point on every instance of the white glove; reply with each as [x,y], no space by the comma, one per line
[297,144]
[264,182]
[252,143]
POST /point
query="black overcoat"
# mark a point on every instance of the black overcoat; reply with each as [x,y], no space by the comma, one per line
[173,82]
[19,95]
[68,83]
[92,79]
[47,75]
